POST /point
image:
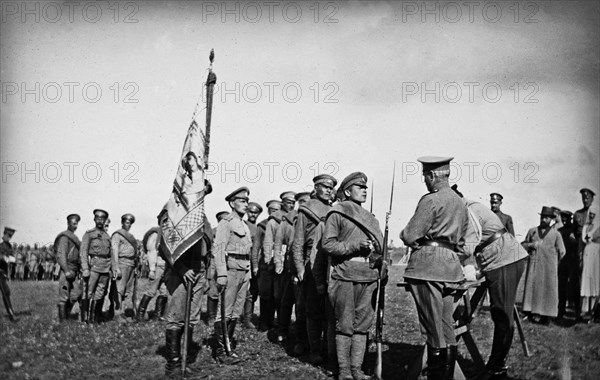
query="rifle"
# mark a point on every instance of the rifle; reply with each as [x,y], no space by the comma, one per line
[380,297]
[134,292]
[372,190]
[186,326]
[224,325]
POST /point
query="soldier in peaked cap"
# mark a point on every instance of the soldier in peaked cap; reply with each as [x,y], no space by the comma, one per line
[124,247]
[97,262]
[265,274]
[67,255]
[6,251]
[254,210]
[231,253]
[568,268]
[495,203]
[287,204]
[436,234]
[354,241]
[579,219]
[310,215]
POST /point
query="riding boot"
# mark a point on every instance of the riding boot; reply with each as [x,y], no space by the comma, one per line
[173,341]
[314,329]
[343,345]
[211,309]
[219,347]
[451,362]
[161,307]
[98,311]
[139,317]
[357,354]
[436,363]
[248,309]
[84,308]
[62,310]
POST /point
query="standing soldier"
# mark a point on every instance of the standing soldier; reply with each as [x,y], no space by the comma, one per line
[310,214]
[579,219]
[354,241]
[49,260]
[124,248]
[156,282]
[20,259]
[568,276]
[436,234]
[231,253]
[67,251]
[97,262]
[495,203]
[34,263]
[264,273]
[6,251]
[254,210]
[212,295]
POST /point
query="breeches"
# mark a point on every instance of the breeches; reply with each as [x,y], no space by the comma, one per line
[235,293]
[353,306]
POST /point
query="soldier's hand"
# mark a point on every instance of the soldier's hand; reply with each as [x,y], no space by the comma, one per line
[254,272]
[190,277]
[70,275]
[366,246]
[221,284]
[86,273]
[117,275]
[152,275]
[278,268]
[300,276]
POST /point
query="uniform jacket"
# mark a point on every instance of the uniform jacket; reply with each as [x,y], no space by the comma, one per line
[96,254]
[257,256]
[270,231]
[282,244]
[309,216]
[124,246]
[67,251]
[507,222]
[232,245]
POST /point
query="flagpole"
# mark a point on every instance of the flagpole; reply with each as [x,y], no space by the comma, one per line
[211,80]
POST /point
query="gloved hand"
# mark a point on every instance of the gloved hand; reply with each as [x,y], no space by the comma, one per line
[221,284]
[70,275]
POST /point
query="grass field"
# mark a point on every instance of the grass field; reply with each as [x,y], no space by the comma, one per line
[37,347]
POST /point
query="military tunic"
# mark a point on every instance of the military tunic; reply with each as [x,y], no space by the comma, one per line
[96,256]
[124,246]
[441,216]
[252,293]
[231,253]
[507,221]
[287,289]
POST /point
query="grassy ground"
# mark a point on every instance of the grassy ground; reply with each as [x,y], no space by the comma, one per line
[37,347]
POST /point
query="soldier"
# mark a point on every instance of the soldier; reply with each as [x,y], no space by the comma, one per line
[495,203]
[436,234]
[212,295]
[310,214]
[156,283]
[97,263]
[254,210]
[502,260]
[568,268]
[188,270]
[354,241]
[20,260]
[579,218]
[264,273]
[6,251]
[288,280]
[34,263]
[124,248]
[231,254]
[67,251]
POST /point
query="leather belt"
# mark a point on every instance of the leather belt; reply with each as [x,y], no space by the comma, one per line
[238,256]
[437,243]
[100,256]
[497,235]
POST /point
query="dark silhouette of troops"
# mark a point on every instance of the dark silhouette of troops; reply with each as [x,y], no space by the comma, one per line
[265,271]
[68,257]
[507,221]
[310,215]
[6,251]
[502,260]
[353,239]
[97,263]
[253,212]
[568,267]
[436,234]
[545,246]
[190,269]
[156,283]
[124,247]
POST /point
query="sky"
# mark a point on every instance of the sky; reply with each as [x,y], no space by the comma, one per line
[97,98]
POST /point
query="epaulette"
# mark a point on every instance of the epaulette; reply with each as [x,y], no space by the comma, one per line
[229,217]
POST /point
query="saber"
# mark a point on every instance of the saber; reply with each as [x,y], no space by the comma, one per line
[186,327]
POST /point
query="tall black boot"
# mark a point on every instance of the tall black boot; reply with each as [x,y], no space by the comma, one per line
[248,310]
[173,341]
[98,311]
[231,323]
[211,309]
[62,309]
[451,362]
[263,324]
[140,316]
[436,363]
[160,307]
[219,347]
[91,315]
[84,308]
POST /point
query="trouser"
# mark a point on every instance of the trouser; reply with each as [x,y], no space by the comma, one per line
[235,294]
[125,284]
[33,270]
[353,306]
[502,286]
[175,313]
[97,285]
[286,304]
[20,274]
[68,290]
[268,290]
[568,284]
[435,304]
[316,305]
[157,285]
[252,294]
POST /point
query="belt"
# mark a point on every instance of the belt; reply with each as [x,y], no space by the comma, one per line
[238,256]
[360,259]
[437,243]
[489,241]
[100,256]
